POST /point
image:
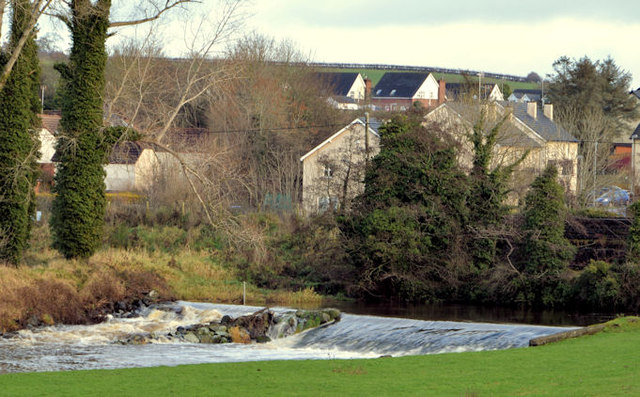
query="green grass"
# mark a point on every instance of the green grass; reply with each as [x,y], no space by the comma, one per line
[604,364]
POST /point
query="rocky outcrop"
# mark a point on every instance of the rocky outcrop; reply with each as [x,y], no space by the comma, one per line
[259,327]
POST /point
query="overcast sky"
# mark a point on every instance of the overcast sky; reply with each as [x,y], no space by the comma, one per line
[502,36]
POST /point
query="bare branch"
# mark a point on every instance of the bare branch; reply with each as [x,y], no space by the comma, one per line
[169,4]
[3,5]
[39,7]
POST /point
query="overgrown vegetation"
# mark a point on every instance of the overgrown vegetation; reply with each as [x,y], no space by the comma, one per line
[404,233]
[19,106]
[79,207]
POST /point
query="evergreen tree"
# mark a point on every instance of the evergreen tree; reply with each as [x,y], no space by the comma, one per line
[19,108]
[633,243]
[404,232]
[78,210]
[545,248]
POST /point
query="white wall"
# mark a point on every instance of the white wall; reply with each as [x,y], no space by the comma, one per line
[48,147]
[428,89]
[357,90]
[120,177]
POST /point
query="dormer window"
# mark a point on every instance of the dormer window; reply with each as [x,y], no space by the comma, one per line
[392,93]
[378,92]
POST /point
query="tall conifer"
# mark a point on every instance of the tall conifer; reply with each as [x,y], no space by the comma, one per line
[19,107]
[79,207]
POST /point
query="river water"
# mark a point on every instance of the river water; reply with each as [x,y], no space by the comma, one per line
[66,347]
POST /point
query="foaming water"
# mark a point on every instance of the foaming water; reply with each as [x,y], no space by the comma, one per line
[355,336]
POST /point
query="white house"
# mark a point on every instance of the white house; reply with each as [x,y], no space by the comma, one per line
[333,171]
[133,166]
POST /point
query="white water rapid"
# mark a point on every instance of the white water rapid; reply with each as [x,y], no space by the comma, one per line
[89,347]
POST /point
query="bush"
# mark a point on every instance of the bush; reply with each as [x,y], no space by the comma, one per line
[545,247]
[597,287]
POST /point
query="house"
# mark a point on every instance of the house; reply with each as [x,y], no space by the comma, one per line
[333,171]
[344,90]
[528,128]
[47,136]
[400,91]
[526,95]
[133,166]
[457,91]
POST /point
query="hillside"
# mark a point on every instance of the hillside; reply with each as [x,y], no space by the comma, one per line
[375,72]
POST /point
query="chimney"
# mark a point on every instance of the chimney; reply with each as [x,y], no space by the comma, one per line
[367,89]
[442,91]
[532,109]
[548,110]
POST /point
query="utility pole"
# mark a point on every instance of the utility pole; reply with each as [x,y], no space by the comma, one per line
[595,167]
[366,138]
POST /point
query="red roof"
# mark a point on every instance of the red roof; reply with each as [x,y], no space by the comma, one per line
[50,122]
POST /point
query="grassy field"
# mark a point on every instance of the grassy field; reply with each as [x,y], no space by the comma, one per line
[604,364]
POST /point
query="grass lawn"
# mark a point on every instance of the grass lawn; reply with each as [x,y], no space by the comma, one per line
[604,364]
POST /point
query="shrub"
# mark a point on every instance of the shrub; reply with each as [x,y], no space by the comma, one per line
[597,287]
[545,247]
[633,243]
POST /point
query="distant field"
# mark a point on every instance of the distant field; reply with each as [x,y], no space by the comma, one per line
[376,74]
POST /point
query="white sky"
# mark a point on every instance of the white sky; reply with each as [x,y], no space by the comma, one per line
[502,36]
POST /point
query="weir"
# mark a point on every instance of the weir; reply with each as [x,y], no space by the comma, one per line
[354,336]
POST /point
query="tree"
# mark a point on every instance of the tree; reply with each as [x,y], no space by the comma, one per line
[404,232]
[19,107]
[31,11]
[79,206]
[545,247]
[633,243]
[592,102]
[489,185]
[533,77]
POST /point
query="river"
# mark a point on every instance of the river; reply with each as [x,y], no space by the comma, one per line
[64,347]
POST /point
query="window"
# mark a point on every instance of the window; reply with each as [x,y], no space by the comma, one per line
[378,92]
[392,93]
[327,172]
[325,203]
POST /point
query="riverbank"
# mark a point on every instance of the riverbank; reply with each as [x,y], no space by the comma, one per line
[48,289]
[603,364]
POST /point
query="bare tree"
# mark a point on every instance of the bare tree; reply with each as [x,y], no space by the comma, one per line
[595,164]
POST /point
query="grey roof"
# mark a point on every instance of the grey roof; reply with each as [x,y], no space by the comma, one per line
[542,125]
[343,99]
[636,133]
[338,83]
[510,135]
[374,123]
[399,85]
